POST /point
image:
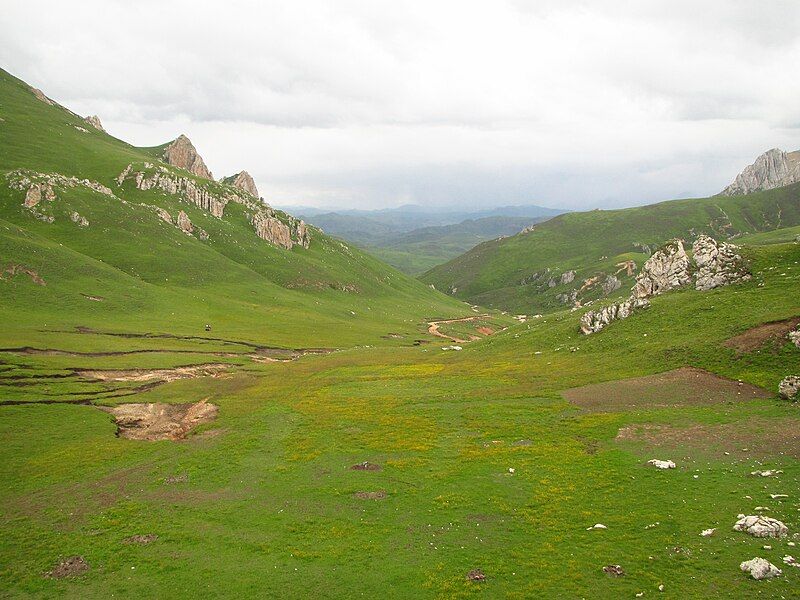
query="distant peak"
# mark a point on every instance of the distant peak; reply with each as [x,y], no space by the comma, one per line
[773,169]
[244,181]
[182,153]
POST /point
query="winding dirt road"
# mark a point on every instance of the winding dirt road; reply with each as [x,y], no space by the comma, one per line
[433,328]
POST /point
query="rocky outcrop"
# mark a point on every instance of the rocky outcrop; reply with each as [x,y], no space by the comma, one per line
[789,387]
[775,168]
[39,187]
[183,223]
[567,277]
[667,269]
[40,96]
[163,214]
[94,121]
[243,181]
[182,153]
[794,337]
[79,220]
[610,284]
[162,179]
[717,263]
[760,527]
[268,227]
[760,568]
[595,320]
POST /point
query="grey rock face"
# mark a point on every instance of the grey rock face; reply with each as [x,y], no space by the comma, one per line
[717,263]
[610,284]
[593,321]
[176,185]
[275,231]
[775,168]
[567,277]
[94,121]
[244,181]
[667,269]
[789,387]
[760,568]
[182,153]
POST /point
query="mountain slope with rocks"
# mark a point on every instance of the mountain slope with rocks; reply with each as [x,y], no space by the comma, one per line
[773,169]
[75,201]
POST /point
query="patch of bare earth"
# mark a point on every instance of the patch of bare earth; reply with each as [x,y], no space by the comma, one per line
[686,386]
[145,375]
[69,567]
[379,495]
[756,437]
[156,421]
[758,337]
[147,538]
[365,466]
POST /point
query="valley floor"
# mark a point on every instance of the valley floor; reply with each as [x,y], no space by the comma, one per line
[499,457]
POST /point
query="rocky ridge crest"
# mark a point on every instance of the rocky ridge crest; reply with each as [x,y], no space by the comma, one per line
[775,168]
[181,153]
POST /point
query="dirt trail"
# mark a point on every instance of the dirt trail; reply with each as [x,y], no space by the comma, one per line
[433,328]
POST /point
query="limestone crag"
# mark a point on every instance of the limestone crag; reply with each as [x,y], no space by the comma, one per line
[775,168]
[182,153]
[94,121]
[595,320]
[39,187]
[40,95]
[243,181]
[161,178]
[183,223]
[165,216]
[717,263]
[667,269]
[268,227]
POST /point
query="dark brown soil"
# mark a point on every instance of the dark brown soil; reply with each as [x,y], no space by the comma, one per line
[69,567]
[365,466]
[379,495]
[686,386]
[758,337]
[476,575]
[761,437]
[141,539]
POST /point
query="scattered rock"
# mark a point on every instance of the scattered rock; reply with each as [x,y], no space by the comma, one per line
[69,567]
[708,532]
[567,277]
[661,464]
[760,526]
[244,181]
[182,153]
[596,526]
[717,263]
[794,337]
[79,220]
[81,129]
[163,214]
[791,561]
[183,222]
[94,121]
[365,466]
[452,348]
[775,168]
[760,568]
[141,539]
[152,422]
[766,473]
[476,575]
[182,478]
[614,570]
[379,495]
[789,387]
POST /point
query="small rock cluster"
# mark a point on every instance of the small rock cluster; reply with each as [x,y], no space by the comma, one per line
[79,220]
[716,264]
[789,387]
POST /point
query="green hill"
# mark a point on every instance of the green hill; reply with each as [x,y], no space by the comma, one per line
[146,273]
[523,273]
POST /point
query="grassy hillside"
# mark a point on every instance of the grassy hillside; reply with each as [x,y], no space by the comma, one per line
[329,294]
[510,273]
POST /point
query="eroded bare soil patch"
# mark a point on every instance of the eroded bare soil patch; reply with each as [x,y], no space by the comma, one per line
[155,421]
[760,336]
[145,375]
[69,567]
[756,437]
[686,386]
[379,495]
[365,466]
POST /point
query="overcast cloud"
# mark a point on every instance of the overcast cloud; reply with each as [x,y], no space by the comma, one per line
[375,103]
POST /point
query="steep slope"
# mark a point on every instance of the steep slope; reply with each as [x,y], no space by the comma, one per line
[584,256]
[124,241]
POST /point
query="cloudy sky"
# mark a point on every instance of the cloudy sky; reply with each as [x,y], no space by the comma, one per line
[379,103]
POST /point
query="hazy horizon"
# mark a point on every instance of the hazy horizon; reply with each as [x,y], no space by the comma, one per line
[368,105]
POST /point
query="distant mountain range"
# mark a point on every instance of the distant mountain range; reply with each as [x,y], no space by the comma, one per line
[414,238]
